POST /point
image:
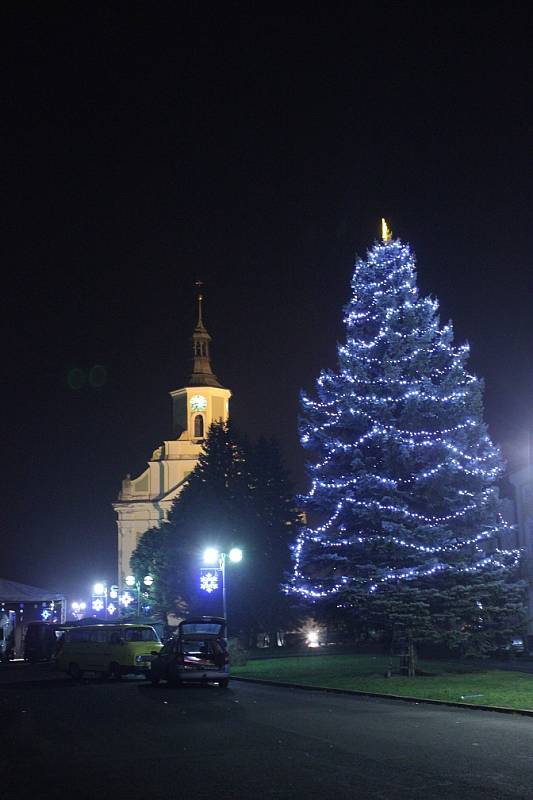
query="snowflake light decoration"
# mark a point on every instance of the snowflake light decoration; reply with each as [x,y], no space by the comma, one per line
[209,580]
[111,608]
[98,604]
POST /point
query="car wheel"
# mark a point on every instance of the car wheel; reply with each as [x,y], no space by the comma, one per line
[74,671]
[224,683]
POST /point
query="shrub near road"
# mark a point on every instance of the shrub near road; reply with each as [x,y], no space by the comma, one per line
[442,680]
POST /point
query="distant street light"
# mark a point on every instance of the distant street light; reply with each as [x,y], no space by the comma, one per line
[213,556]
[78,607]
[99,599]
[132,581]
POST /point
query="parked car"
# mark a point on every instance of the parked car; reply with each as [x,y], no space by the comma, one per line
[515,646]
[197,653]
[115,650]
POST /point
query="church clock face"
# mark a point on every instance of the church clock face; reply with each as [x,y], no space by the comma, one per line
[198,403]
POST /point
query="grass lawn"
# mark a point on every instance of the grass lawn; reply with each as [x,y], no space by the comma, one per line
[454,681]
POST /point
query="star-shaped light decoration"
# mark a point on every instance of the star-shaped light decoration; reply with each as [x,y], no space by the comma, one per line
[126,599]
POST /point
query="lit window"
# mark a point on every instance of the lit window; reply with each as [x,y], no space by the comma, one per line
[199,427]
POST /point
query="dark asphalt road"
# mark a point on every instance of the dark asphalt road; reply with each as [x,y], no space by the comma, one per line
[126,739]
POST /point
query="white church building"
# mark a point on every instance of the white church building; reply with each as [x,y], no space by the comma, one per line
[145,501]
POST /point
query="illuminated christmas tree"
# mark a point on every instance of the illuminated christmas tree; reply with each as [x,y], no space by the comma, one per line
[404,529]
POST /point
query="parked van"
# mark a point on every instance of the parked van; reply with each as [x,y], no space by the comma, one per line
[109,649]
[42,640]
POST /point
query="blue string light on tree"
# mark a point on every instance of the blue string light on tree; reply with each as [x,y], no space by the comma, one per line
[403,472]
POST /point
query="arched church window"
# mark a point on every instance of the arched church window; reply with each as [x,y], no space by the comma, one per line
[198,427]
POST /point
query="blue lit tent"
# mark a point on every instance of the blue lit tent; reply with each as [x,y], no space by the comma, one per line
[31,603]
[13,592]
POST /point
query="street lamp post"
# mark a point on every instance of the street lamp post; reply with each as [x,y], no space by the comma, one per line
[99,592]
[212,556]
[131,580]
[222,562]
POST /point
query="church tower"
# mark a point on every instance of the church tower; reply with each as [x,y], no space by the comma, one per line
[145,502]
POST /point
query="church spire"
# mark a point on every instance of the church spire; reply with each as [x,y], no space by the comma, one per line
[200,323]
[202,374]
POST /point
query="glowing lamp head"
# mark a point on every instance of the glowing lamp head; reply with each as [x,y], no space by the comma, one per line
[312,638]
[211,556]
[99,588]
[130,580]
[83,606]
[235,554]
[148,580]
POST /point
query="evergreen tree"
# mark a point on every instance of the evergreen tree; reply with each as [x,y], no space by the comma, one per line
[209,511]
[273,501]
[275,523]
[405,528]
[156,556]
[238,495]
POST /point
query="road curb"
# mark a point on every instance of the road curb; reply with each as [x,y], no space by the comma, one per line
[407,699]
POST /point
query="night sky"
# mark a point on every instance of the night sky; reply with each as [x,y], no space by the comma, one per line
[148,145]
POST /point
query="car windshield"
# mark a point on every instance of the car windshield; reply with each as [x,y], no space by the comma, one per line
[140,635]
[201,627]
